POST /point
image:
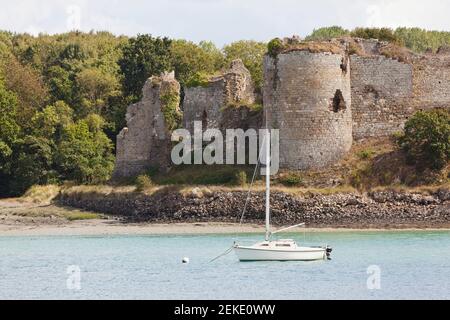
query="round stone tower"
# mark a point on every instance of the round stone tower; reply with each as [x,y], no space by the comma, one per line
[307,96]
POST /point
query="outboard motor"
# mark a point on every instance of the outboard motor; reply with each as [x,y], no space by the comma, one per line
[328,251]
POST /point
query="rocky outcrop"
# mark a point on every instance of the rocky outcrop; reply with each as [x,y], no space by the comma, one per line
[145,142]
[379,209]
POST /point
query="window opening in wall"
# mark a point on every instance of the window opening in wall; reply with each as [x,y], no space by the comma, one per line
[338,102]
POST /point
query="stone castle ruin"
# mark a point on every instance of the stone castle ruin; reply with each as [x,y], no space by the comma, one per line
[146,141]
[321,95]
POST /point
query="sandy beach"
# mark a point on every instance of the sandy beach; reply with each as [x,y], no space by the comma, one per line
[110,228]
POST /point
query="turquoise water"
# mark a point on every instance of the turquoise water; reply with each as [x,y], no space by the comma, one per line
[412,265]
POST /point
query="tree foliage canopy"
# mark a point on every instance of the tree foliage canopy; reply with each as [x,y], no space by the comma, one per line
[426,138]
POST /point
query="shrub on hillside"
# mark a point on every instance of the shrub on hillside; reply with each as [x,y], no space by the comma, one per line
[383,34]
[241,178]
[143,182]
[274,47]
[291,180]
[426,139]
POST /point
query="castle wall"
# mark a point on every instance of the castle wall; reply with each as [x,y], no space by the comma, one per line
[432,81]
[145,142]
[320,101]
[382,89]
[308,98]
[212,103]
[204,104]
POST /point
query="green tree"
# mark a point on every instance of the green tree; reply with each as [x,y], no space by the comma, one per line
[95,85]
[189,59]
[383,34]
[33,158]
[143,57]
[27,84]
[10,130]
[420,40]
[85,152]
[33,164]
[9,135]
[60,83]
[426,138]
[214,53]
[252,55]
[50,122]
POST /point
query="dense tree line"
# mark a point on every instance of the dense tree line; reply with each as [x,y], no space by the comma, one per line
[63,98]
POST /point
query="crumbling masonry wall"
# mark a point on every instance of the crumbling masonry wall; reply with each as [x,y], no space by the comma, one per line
[321,97]
[386,91]
[307,96]
[382,89]
[213,104]
[432,80]
[146,141]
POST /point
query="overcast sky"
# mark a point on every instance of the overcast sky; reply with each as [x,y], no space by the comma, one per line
[221,21]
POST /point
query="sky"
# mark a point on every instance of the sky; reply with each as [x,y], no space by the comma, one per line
[220,21]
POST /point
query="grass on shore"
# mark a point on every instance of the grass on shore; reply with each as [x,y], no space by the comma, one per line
[371,165]
[76,216]
[49,212]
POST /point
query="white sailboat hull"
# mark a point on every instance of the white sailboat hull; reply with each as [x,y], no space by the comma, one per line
[274,254]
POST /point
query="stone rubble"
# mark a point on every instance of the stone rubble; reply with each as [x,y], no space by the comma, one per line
[376,209]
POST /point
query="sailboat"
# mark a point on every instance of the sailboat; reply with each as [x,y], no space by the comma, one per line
[278,250]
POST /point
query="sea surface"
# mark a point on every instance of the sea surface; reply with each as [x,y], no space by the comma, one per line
[364,265]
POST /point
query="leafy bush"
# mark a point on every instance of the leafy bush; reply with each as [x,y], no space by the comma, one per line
[275,46]
[383,34]
[365,154]
[291,180]
[241,178]
[143,182]
[327,33]
[426,139]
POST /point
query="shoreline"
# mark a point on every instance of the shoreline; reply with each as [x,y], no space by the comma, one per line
[115,228]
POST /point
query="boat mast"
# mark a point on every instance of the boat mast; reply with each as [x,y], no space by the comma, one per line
[267,184]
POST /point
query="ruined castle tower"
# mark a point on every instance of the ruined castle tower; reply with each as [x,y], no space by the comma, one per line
[145,142]
[308,97]
[320,95]
[208,103]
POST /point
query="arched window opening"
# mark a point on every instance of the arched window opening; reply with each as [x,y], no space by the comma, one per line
[338,103]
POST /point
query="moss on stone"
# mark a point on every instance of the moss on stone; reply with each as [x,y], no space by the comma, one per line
[170,102]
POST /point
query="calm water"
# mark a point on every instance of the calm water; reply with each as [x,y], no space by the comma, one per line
[412,264]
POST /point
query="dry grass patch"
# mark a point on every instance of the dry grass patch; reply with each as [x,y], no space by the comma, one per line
[41,194]
[315,47]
